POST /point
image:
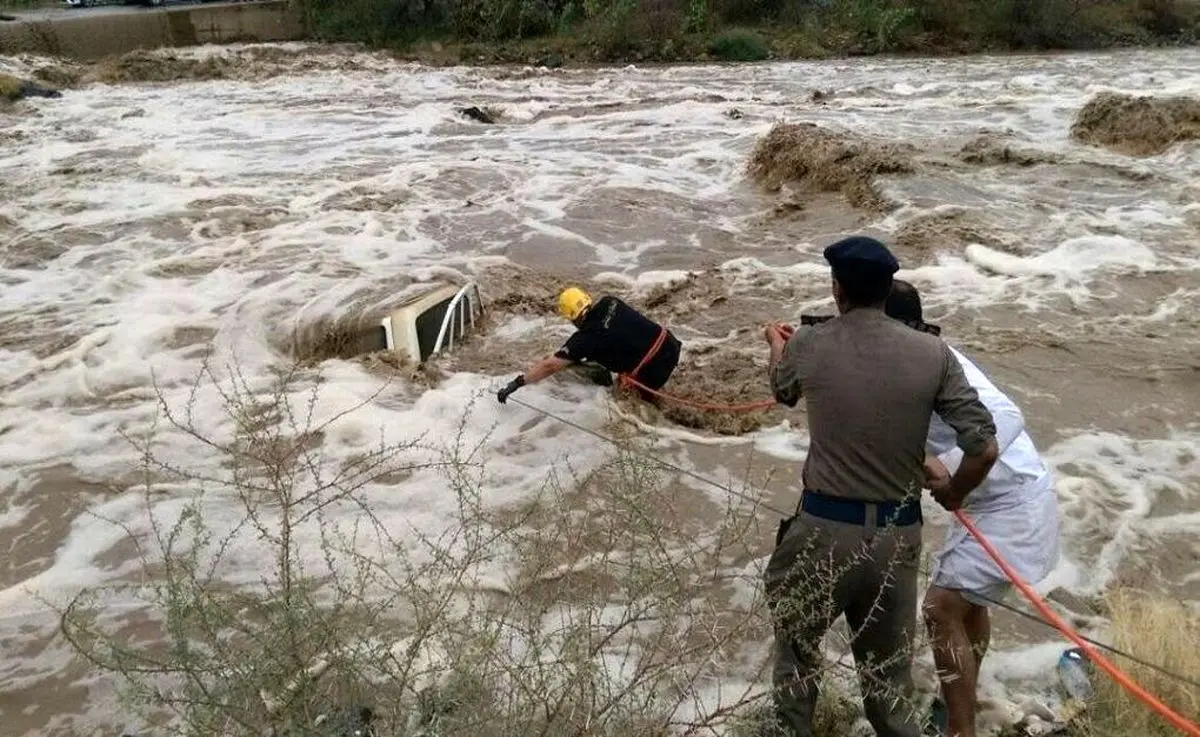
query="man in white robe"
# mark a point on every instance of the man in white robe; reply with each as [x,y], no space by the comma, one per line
[1015,508]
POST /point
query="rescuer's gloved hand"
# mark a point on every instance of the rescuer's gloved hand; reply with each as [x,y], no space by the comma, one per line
[509,388]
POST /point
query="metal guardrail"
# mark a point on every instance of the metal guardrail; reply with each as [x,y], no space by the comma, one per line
[465,304]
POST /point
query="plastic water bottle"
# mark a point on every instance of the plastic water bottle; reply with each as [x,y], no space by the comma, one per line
[1073,673]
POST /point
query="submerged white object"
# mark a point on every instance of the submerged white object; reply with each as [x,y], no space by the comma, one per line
[429,323]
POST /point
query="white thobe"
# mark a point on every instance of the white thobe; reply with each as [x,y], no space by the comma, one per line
[1015,507]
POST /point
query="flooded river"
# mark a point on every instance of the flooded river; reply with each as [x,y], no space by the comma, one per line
[143,222]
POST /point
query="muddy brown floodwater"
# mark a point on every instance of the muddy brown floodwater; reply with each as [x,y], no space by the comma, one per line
[272,203]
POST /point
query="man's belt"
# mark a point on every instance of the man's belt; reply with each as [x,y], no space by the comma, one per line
[854,512]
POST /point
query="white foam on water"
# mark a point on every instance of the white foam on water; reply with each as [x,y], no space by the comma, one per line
[75,564]
[1069,261]
[746,581]
[1108,487]
[643,282]
[1014,683]
[13,516]
[668,432]
[784,443]
[520,326]
[1034,664]
[507,438]
[981,276]
[712,702]
[148,254]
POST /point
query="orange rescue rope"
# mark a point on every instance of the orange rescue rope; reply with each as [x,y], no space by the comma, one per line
[1181,723]
[650,354]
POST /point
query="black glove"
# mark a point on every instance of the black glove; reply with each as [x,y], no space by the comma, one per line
[510,387]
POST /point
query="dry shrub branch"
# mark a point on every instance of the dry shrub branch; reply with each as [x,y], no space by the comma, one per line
[600,605]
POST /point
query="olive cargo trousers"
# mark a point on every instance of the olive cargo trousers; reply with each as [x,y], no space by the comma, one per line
[821,569]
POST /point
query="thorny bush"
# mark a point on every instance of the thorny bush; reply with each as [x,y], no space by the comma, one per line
[618,614]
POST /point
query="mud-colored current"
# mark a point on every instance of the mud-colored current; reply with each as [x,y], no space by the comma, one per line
[273,203]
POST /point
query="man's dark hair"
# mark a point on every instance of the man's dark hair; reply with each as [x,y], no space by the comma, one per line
[904,302]
[865,285]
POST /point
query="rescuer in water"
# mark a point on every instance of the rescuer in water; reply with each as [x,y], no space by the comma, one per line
[612,335]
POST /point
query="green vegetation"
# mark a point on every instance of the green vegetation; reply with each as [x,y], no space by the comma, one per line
[739,45]
[745,30]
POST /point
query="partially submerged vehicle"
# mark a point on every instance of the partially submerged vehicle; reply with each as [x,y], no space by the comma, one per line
[429,323]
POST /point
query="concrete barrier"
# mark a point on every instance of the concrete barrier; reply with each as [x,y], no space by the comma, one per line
[87,35]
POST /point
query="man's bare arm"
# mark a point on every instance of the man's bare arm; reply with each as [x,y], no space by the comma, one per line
[545,368]
[970,474]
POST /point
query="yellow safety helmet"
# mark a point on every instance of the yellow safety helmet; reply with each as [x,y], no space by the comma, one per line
[573,302]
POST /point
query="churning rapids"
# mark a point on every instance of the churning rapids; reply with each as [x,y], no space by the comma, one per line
[141,222]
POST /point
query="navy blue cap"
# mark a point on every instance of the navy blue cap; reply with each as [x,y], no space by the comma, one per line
[860,251]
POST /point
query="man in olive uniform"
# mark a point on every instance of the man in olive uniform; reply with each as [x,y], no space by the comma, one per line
[610,334]
[871,386]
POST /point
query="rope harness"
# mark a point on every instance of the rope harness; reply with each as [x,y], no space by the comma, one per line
[630,379]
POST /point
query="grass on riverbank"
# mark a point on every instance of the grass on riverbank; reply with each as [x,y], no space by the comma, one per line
[745,30]
[1158,631]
